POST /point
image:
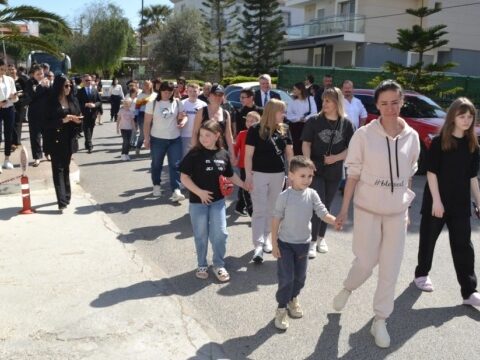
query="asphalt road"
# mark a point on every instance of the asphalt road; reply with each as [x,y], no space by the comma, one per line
[239,314]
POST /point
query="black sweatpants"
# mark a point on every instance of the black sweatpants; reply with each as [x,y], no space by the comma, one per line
[326,189]
[126,136]
[459,232]
[291,271]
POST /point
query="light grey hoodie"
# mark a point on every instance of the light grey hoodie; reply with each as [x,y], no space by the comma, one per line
[384,166]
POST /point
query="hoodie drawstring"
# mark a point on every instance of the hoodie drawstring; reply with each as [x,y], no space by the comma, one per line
[390,161]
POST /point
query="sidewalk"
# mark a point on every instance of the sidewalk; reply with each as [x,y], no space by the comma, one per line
[67,284]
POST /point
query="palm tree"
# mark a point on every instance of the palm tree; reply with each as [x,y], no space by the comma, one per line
[10,16]
[154,17]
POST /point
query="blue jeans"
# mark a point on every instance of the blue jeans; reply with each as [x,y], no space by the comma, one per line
[140,120]
[209,222]
[173,149]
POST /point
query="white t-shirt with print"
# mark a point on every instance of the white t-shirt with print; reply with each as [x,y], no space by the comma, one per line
[164,124]
[191,110]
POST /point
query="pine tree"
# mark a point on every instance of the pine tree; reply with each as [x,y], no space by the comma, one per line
[420,77]
[258,49]
[220,30]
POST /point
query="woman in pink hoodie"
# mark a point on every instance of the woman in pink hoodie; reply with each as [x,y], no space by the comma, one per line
[382,158]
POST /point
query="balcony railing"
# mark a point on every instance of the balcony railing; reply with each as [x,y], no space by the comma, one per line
[327,26]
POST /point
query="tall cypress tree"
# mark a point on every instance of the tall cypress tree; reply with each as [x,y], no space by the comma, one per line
[258,49]
[220,30]
[421,77]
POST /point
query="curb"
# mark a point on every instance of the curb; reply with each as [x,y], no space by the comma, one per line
[39,183]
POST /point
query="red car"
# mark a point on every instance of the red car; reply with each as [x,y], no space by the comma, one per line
[419,111]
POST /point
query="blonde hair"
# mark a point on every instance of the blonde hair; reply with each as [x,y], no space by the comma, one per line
[193,85]
[460,106]
[254,115]
[336,95]
[268,123]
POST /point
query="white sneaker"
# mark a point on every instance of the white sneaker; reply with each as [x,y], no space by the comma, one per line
[127,157]
[473,300]
[267,247]
[156,190]
[258,255]
[312,254]
[122,157]
[177,196]
[380,333]
[8,165]
[281,319]
[294,308]
[341,299]
[322,246]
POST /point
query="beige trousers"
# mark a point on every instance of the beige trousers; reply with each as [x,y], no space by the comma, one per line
[377,239]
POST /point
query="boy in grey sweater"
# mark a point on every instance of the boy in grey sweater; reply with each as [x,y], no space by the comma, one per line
[291,235]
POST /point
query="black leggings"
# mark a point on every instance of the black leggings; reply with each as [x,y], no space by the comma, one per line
[115,106]
[459,232]
[326,190]
[126,136]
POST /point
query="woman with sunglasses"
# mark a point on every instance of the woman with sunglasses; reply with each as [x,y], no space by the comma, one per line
[325,140]
[214,111]
[164,118]
[62,125]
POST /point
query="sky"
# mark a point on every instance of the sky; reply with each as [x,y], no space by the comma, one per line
[70,9]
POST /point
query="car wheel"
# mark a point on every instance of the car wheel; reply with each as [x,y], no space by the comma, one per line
[422,161]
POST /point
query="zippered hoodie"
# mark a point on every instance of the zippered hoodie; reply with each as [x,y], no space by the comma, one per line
[383,166]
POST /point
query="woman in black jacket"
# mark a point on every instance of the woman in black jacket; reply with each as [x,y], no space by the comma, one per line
[62,126]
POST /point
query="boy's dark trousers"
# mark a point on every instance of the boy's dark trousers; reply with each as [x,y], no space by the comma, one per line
[459,231]
[126,136]
[291,271]
[244,200]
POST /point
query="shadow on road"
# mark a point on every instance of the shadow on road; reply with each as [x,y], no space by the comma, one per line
[404,323]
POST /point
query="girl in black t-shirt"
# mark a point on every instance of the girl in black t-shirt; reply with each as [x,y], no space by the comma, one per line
[452,164]
[200,170]
[268,151]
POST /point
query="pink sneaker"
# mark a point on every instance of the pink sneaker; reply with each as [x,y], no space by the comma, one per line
[424,283]
[473,300]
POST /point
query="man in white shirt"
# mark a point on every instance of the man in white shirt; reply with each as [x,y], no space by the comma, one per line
[354,108]
[191,106]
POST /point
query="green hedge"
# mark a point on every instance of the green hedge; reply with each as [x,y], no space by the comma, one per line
[240,79]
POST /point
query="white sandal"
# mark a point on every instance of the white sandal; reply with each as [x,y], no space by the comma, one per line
[202,272]
[221,274]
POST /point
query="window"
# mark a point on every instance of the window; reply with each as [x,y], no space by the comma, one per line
[345,8]
[320,13]
[286,15]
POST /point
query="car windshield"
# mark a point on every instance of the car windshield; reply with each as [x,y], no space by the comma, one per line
[421,107]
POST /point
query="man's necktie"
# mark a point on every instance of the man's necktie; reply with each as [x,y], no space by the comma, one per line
[265,99]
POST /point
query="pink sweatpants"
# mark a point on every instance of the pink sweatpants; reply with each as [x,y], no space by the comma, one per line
[377,239]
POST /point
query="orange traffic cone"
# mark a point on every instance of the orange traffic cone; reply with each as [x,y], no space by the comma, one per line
[27,206]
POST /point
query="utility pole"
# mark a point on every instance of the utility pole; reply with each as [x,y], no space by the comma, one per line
[141,35]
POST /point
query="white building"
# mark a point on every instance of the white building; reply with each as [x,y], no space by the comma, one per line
[347,33]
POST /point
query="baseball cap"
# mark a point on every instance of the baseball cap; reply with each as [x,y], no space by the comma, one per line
[217,89]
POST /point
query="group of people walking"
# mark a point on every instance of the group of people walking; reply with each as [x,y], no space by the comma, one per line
[291,161]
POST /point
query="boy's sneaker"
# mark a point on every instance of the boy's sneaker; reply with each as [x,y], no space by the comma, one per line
[177,196]
[341,299]
[312,253]
[294,308]
[8,165]
[473,300]
[322,246]
[240,212]
[281,319]
[424,283]
[380,333]
[258,255]
[127,157]
[267,246]
[156,190]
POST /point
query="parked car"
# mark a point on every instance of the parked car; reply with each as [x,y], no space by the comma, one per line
[232,93]
[106,86]
[420,112]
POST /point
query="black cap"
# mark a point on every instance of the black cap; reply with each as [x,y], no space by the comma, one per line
[217,89]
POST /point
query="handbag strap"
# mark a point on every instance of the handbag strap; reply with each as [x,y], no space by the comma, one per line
[278,151]
[334,132]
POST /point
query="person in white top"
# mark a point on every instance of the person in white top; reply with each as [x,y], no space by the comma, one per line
[298,111]
[8,96]
[116,96]
[191,105]
[164,118]
[354,108]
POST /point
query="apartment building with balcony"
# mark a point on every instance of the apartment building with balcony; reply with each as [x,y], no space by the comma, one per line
[353,33]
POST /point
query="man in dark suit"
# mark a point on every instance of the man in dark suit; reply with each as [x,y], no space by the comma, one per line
[327,83]
[264,94]
[90,104]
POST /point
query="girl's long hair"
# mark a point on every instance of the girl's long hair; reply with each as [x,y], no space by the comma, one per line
[215,128]
[336,95]
[165,86]
[268,123]
[460,106]
[303,90]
